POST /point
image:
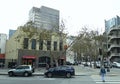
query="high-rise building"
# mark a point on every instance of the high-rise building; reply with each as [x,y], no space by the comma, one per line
[112,29]
[3,39]
[44,17]
[11,32]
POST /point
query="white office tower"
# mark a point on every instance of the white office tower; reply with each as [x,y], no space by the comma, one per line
[44,17]
[3,39]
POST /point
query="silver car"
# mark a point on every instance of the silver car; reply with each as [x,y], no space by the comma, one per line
[116,64]
[21,70]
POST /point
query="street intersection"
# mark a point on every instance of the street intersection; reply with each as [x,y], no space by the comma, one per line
[84,75]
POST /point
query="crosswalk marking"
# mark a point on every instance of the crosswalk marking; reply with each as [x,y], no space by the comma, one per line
[109,82]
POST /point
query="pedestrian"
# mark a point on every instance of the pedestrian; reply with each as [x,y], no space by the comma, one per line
[47,66]
[33,67]
[103,73]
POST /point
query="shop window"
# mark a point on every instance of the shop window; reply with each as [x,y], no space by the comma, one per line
[43,61]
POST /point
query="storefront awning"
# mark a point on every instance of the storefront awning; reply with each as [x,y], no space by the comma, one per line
[2,56]
[29,57]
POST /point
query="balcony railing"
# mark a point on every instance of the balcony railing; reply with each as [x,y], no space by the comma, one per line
[114,54]
[112,37]
[113,45]
[114,28]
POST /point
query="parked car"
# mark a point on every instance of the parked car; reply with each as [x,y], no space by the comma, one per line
[98,64]
[116,64]
[83,63]
[75,63]
[42,64]
[21,70]
[64,70]
[68,63]
[106,64]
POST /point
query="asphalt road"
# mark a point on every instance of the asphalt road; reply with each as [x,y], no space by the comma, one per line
[90,76]
[41,80]
[85,79]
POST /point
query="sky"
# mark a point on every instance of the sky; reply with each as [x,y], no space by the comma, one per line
[76,14]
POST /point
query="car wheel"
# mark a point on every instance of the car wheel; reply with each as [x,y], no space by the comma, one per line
[49,75]
[11,74]
[68,75]
[26,74]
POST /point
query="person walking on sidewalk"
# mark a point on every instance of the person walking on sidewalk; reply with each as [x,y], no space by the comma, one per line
[103,73]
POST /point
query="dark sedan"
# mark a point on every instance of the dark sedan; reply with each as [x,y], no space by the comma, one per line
[66,71]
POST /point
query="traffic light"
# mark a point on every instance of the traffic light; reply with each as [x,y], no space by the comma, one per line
[100,51]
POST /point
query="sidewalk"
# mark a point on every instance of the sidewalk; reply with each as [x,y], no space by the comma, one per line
[95,71]
[79,71]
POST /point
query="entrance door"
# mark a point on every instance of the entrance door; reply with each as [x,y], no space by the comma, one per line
[30,62]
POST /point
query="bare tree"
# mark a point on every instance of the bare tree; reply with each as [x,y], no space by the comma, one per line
[87,44]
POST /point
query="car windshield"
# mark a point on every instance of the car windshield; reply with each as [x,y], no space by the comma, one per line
[57,68]
[51,69]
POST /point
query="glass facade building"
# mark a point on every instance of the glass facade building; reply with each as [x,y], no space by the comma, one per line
[11,32]
[114,22]
[44,17]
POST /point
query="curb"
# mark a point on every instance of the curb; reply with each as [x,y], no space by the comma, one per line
[38,74]
[43,74]
[32,74]
[75,75]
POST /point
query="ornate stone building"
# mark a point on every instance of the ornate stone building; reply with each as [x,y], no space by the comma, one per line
[36,47]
